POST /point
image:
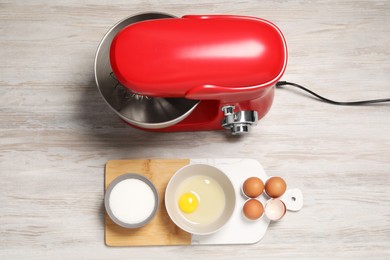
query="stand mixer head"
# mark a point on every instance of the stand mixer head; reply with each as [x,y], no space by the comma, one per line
[163,73]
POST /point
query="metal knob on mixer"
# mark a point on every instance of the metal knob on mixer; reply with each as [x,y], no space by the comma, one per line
[238,122]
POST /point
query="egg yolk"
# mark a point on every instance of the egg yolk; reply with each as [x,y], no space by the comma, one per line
[188,203]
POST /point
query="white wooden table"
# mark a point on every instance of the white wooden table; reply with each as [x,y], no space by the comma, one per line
[57,133]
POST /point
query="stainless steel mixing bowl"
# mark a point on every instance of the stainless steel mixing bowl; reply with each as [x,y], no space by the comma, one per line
[144,112]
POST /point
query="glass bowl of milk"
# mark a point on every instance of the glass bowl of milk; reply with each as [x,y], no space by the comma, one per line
[131,200]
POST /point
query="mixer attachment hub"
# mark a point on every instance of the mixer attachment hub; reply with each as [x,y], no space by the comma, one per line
[238,122]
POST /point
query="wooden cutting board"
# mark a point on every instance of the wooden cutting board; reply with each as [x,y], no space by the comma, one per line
[161,230]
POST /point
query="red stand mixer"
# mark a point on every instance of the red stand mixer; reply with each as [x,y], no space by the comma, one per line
[198,72]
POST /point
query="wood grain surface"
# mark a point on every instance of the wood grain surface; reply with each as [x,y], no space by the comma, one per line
[161,230]
[56,132]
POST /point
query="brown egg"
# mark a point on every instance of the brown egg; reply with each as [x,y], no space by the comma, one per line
[253,187]
[275,187]
[253,209]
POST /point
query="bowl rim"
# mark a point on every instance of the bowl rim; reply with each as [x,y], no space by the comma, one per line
[123,177]
[227,219]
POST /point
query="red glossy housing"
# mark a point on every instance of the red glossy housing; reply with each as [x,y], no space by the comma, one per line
[224,59]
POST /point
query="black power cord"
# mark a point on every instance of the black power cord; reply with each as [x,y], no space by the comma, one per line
[323,99]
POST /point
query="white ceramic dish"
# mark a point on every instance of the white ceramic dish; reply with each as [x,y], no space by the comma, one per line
[171,202]
[238,230]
